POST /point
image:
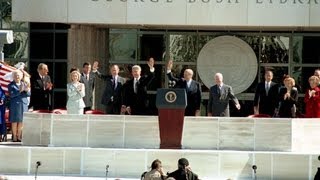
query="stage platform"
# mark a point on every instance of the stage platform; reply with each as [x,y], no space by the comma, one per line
[142,132]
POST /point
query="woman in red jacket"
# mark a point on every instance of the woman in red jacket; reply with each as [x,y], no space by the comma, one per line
[312,98]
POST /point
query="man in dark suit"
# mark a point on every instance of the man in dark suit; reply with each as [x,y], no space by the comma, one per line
[219,96]
[41,88]
[193,90]
[88,79]
[266,96]
[184,171]
[112,94]
[135,99]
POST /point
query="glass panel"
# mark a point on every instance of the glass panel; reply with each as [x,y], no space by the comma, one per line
[311,50]
[253,42]
[19,48]
[59,100]
[152,45]
[41,45]
[41,26]
[183,48]
[6,16]
[275,49]
[61,45]
[301,75]
[62,26]
[203,39]
[123,47]
[297,42]
[60,72]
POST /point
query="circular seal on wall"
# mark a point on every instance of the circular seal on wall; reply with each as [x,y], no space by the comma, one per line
[232,57]
[170,96]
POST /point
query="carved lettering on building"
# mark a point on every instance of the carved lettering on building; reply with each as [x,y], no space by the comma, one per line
[297,2]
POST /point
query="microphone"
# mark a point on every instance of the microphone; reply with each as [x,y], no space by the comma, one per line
[254,167]
[107,170]
[38,163]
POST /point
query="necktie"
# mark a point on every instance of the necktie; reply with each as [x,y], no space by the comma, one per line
[135,86]
[87,76]
[114,82]
[267,88]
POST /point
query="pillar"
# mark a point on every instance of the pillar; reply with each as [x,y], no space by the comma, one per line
[87,43]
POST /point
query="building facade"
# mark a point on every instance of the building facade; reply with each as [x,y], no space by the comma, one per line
[283,35]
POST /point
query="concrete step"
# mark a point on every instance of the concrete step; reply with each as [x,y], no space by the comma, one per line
[130,163]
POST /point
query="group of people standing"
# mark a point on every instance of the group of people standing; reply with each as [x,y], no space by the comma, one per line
[129,96]
[19,92]
[281,100]
[119,96]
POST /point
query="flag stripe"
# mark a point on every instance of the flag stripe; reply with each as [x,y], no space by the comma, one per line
[4,69]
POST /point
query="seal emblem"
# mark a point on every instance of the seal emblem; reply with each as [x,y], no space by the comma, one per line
[170,96]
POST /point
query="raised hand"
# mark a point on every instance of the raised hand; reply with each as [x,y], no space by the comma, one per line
[150,63]
[95,65]
[49,85]
[170,64]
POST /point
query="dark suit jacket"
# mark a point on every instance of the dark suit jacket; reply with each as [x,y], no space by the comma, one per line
[138,102]
[218,103]
[267,103]
[286,105]
[112,97]
[193,94]
[181,175]
[41,97]
[89,87]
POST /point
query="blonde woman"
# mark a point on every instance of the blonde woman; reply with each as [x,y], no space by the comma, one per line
[312,98]
[288,98]
[76,91]
[19,92]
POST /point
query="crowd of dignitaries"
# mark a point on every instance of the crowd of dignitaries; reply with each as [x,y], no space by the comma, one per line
[280,100]
[123,95]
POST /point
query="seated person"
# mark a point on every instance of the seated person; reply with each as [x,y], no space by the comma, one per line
[156,172]
[184,171]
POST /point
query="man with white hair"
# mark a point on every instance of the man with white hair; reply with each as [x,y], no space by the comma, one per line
[135,99]
[219,96]
[41,88]
[193,90]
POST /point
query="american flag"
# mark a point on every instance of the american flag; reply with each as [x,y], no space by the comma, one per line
[4,69]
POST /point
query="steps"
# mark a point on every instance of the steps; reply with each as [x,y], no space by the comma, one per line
[217,148]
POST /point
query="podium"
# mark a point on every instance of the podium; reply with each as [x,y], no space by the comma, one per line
[171,104]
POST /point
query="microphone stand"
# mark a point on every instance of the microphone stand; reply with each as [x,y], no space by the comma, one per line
[38,163]
[254,167]
[107,170]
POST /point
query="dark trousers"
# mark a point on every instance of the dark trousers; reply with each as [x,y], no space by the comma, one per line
[113,108]
[87,109]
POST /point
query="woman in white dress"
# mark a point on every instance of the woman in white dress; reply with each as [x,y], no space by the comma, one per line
[76,92]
